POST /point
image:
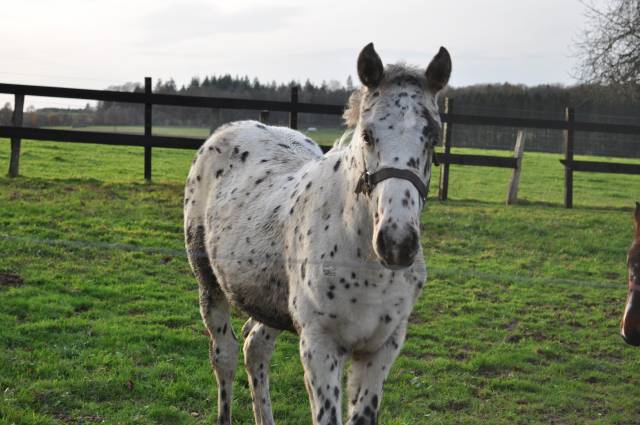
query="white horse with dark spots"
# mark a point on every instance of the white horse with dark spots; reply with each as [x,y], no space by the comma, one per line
[327,246]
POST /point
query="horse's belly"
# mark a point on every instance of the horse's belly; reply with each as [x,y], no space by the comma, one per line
[263,295]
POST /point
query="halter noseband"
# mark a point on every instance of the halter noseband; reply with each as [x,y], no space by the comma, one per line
[368,181]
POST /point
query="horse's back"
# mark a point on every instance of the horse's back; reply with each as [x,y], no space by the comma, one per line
[278,149]
[244,155]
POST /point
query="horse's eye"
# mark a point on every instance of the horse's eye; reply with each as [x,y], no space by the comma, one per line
[366,137]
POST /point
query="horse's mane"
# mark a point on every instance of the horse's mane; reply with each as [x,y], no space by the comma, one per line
[344,140]
[393,74]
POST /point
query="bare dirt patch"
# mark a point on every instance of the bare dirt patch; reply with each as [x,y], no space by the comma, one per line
[10,279]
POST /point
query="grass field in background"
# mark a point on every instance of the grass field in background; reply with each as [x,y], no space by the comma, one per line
[517,324]
[324,136]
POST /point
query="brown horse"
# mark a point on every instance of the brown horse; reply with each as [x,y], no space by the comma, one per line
[630,325]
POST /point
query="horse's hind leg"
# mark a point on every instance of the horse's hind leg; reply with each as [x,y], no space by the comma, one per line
[215,312]
[223,351]
[260,340]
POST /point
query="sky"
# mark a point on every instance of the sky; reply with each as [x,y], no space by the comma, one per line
[100,43]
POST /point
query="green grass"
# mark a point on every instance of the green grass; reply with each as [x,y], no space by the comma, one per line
[518,322]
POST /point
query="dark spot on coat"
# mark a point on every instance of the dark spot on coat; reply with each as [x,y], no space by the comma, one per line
[368,411]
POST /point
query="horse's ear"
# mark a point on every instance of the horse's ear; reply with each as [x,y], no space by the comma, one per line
[439,70]
[370,67]
[637,213]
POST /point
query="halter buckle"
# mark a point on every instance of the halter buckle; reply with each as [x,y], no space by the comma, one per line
[364,184]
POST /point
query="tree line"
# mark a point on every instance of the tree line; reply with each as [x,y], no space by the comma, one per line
[592,102]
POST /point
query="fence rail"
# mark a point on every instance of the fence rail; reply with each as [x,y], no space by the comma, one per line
[16,132]
[99,137]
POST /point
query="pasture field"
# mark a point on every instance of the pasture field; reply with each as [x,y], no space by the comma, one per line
[517,324]
[321,135]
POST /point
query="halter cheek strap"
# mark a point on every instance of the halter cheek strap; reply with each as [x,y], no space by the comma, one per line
[368,181]
[634,287]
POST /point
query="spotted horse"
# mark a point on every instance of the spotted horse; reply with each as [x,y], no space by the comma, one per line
[327,246]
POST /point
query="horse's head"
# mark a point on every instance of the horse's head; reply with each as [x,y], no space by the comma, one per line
[630,325]
[396,126]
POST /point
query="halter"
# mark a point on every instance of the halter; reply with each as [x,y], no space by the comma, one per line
[368,181]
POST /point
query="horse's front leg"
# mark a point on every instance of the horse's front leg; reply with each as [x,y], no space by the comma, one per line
[366,377]
[322,361]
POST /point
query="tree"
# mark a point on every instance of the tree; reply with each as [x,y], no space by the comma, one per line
[6,113]
[609,51]
[350,85]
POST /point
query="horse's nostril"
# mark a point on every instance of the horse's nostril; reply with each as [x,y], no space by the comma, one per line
[409,245]
[413,239]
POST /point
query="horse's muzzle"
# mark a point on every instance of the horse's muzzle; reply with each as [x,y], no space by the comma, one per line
[632,339]
[396,254]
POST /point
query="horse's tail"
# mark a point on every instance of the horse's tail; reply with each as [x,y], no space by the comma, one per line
[214,306]
[195,232]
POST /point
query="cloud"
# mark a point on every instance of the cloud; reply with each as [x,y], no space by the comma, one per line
[187,20]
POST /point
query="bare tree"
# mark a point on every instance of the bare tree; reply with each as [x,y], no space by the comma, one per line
[609,50]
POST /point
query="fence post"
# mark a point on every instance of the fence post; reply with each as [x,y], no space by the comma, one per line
[293,115]
[568,157]
[514,182]
[443,189]
[147,129]
[16,121]
[264,117]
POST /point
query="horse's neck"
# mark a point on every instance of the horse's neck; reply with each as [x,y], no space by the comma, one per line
[357,214]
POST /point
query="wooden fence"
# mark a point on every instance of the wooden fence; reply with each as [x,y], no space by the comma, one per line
[16,131]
